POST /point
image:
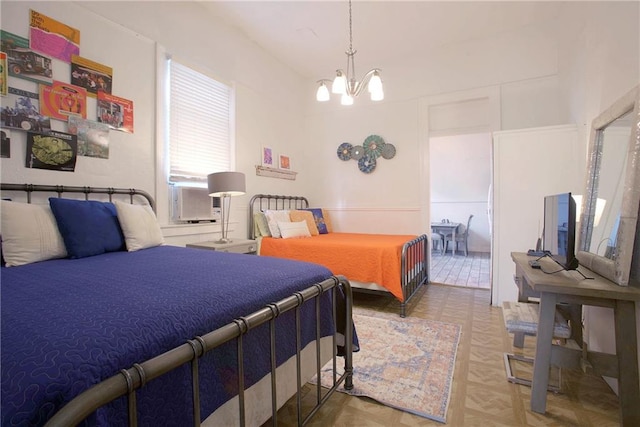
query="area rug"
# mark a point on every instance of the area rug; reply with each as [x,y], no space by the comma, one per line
[403,363]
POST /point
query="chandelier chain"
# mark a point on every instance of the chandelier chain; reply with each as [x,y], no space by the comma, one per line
[350,29]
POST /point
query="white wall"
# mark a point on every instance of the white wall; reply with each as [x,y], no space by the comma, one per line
[126,37]
[542,73]
[534,69]
[384,201]
[521,67]
[518,209]
[130,55]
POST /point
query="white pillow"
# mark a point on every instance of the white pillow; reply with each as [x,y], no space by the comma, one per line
[139,226]
[294,229]
[29,234]
[273,217]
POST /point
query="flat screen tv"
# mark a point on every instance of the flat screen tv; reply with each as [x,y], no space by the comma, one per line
[559,237]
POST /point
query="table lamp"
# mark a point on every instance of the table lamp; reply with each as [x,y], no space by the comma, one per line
[225,185]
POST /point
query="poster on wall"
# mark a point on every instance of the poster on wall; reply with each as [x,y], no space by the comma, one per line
[90,75]
[52,150]
[93,137]
[22,62]
[3,74]
[5,143]
[115,111]
[52,37]
[21,111]
[61,100]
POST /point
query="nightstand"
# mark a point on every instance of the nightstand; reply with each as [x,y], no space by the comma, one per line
[238,246]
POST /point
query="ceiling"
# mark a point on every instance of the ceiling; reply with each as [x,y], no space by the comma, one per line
[311,36]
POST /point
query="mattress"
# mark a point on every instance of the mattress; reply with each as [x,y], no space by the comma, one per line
[367,258]
[68,324]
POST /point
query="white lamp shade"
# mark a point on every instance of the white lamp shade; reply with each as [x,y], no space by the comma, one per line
[346,100]
[375,84]
[322,94]
[226,184]
[377,95]
[339,85]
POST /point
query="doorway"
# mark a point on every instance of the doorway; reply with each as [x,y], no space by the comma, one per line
[456,116]
[460,180]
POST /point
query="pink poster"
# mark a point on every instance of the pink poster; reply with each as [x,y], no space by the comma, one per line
[53,38]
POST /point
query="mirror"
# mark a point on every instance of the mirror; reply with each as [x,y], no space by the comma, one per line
[609,209]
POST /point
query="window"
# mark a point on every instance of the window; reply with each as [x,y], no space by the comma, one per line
[199,125]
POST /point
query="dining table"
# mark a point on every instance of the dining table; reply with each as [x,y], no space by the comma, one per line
[446,228]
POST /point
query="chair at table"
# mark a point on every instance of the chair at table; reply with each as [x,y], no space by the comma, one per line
[437,240]
[462,237]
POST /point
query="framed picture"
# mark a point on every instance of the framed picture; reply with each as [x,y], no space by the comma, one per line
[268,157]
[92,76]
[52,150]
[285,162]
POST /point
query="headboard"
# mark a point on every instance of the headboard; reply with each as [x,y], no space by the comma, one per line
[261,202]
[60,189]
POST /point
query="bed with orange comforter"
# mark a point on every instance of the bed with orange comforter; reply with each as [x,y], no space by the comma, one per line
[396,263]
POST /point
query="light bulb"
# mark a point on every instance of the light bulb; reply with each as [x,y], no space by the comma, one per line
[346,100]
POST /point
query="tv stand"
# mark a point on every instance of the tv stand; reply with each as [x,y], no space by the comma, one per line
[564,288]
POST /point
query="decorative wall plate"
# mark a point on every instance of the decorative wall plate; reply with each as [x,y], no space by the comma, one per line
[373,145]
[388,151]
[367,164]
[344,151]
[357,152]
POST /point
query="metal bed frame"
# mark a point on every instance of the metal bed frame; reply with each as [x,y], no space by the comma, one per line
[59,189]
[127,381]
[414,252]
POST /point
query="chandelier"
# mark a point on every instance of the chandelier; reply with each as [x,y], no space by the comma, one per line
[345,83]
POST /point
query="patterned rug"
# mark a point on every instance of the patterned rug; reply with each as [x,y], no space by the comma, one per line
[403,363]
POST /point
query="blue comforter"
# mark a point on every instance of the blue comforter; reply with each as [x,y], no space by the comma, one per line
[68,324]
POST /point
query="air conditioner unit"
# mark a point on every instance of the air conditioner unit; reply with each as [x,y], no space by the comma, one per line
[193,204]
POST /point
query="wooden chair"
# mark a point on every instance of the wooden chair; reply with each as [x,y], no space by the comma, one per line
[520,319]
[462,236]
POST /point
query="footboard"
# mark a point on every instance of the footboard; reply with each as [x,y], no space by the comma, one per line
[414,268]
[128,381]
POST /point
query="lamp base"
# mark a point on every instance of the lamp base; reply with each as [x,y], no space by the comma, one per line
[224,240]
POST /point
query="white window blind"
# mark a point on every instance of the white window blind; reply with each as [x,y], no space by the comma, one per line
[199,125]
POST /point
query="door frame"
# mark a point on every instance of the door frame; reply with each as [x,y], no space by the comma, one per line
[483,117]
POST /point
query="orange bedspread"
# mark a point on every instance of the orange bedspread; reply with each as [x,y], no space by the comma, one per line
[359,257]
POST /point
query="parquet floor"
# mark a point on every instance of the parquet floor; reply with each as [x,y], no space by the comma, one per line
[481,395]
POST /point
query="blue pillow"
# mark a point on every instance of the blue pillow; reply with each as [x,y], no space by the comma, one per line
[319,219]
[88,227]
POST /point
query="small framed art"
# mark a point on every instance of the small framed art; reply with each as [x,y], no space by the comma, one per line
[268,157]
[285,162]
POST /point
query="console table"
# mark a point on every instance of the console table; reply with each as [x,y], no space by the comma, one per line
[571,288]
